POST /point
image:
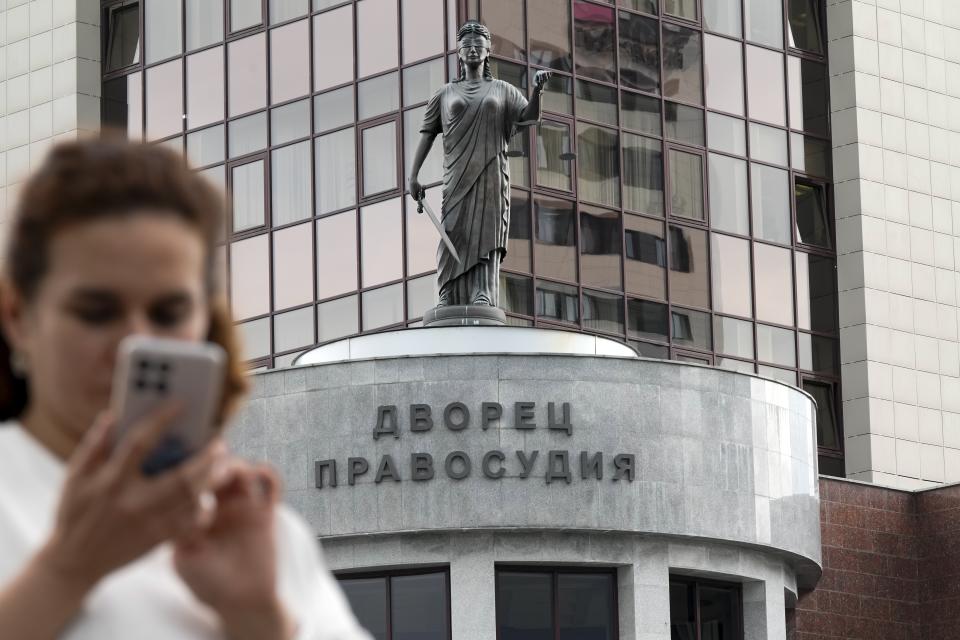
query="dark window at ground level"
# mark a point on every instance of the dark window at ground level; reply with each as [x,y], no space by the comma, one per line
[401,606]
[704,610]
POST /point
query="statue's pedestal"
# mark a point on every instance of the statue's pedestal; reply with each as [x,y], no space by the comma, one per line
[465,315]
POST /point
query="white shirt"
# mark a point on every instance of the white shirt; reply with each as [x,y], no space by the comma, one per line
[146,599]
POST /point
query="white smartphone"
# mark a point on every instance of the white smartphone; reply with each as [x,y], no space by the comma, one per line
[152,371]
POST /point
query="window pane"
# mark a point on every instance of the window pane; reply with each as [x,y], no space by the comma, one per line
[504,18]
[688,267]
[724,74]
[765,70]
[818,354]
[162,22]
[282,10]
[379,158]
[813,220]
[719,610]
[248,74]
[422,29]
[338,319]
[292,266]
[204,23]
[639,53]
[774,373]
[593,36]
[524,605]
[422,236]
[722,16]
[518,257]
[419,607]
[558,94]
[518,153]
[206,147]
[771,203]
[811,155]
[646,253]
[641,113]
[381,250]
[164,100]
[776,345]
[805,25]
[729,208]
[205,87]
[598,153]
[333,40]
[600,248]
[764,21]
[772,274]
[726,134]
[245,13]
[646,6]
[682,79]
[248,135]
[378,95]
[249,277]
[376,36]
[684,123]
[681,8]
[255,337]
[382,307]
[422,294]
[248,196]
[816,293]
[809,106]
[336,171]
[289,62]
[691,328]
[336,254]
[432,168]
[553,156]
[556,250]
[602,312]
[333,109]
[642,174]
[730,259]
[597,102]
[123,36]
[421,81]
[291,184]
[733,337]
[827,433]
[768,144]
[648,320]
[122,104]
[290,122]
[647,350]
[515,74]
[516,294]
[585,603]
[293,329]
[549,34]
[557,302]
[686,184]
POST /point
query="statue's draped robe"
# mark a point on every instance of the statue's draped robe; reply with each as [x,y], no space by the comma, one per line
[477,120]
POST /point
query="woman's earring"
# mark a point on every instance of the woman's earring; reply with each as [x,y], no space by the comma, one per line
[18,364]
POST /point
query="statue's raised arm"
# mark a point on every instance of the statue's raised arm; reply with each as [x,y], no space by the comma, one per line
[477,115]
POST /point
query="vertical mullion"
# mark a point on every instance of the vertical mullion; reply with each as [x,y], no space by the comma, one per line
[313,173]
[357,155]
[389,607]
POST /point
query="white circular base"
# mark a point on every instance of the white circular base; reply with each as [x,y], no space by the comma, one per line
[465,341]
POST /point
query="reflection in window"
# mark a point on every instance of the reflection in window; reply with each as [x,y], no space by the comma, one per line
[289,62]
[640,113]
[645,6]
[549,34]
[557,302]
[764,20]
[828,435]
[813,156]
[248,134]
[376,36]
[378,95]
[776,345]
[648,320]
[164,100]
[806,25]
[291,184]
[421,81]
[379,158]
[597,102]
[816,293]
[642,174]
[290,122]
[381,251]
[515,74]
[688,267]
[690,328]
[504,18]
[245,13]
[730,259]
[422,237]
[729,208]
[723,60]
[162,22]
[205,87]
[255,338]
[335,165]
[818,354]
[556,252]
[518,258]
[726,134]
[336,247]
[382,307]
[122,104]
[518,152]
[771,203]
[682,79]
[813,220]
[647,350]
[422,22]
[714,606]
[516,294]
[248,74]
[600,248]
[809,106]
[681,8]
[602,312]
[639,53]
[598,153]
[419,607]
[686,184]
[733,337]
[684,124]
[248,196]
[206,147]
[337,319]
[722,16]
[554,155]
[585,604]
[333,40]
[123,36]
[422,294]
[646,253]
[768,144]
[765,70]
[204,23]
[293,329]
[593,37]
[524,605]
[333,109]
[283,10]
[773,277]
[292,266]
[558,95]
[249,277]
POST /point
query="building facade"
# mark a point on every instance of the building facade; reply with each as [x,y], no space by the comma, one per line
[767,187]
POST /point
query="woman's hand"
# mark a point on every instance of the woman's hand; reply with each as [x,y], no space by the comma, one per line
[110,514]
[231,564]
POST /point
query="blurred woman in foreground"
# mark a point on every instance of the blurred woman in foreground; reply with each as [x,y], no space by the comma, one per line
[112,239]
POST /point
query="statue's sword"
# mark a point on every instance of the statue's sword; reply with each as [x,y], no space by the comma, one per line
[423,204]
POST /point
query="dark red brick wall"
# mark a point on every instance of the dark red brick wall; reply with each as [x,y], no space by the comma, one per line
[939,541]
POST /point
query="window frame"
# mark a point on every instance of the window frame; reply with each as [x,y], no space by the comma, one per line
[696,582]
